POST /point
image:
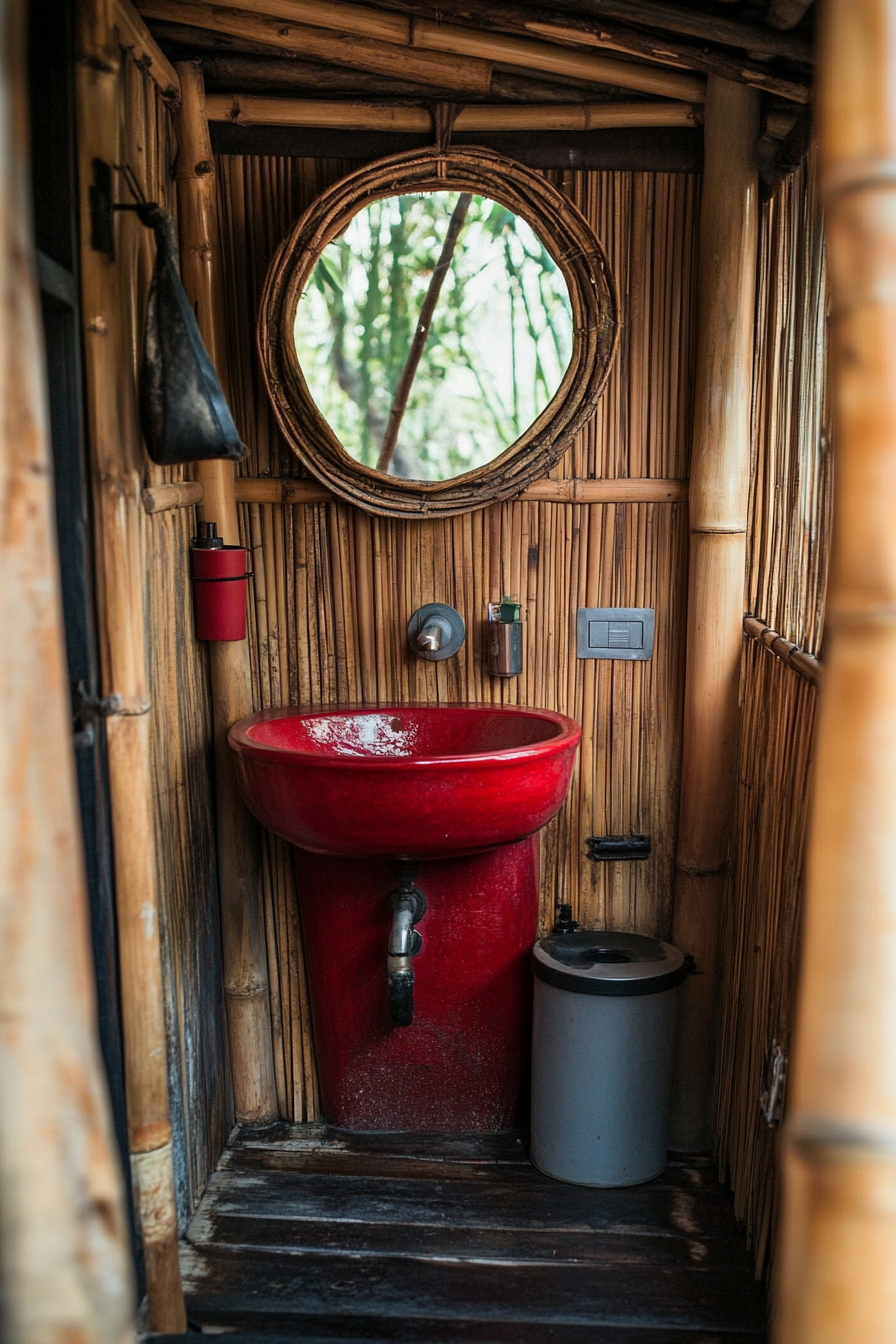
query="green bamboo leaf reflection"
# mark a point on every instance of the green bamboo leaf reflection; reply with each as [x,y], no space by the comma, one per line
[494,350]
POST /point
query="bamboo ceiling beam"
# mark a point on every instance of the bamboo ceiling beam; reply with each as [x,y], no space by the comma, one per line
[65,1258]
[444,54]
[719,490]
[506,84]
[239,859]
[836,1278]
[460,74]
[116,470]
[226,71]
[389,26]
[705,27]
[135,37]
[285,490]
[255,110]
[567,26]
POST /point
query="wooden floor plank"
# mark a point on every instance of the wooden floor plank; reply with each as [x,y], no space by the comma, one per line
[311,1233]
[322,1159]
[509,1146]
[240,1287]
[507,1206]
[351,1239]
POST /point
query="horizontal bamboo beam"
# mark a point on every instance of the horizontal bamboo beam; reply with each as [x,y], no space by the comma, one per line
[280,490]
[556,59]
[283,490]
[678,56]
[805,664]
[618,490]
[179,494]
[461,74]
[447,54]
[256,110]
[566,27]
[135,37]
[707,27]
[265,70]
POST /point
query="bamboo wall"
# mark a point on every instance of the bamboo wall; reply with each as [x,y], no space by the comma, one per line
[334,587]
[180,714]
[785,587]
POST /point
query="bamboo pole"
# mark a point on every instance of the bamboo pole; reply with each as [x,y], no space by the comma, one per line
[258,110]
[239,861]
[806,664]
[121,566]
[415,48]
[552,58]
[288,490]
[136,38]
[65,1264]
[718,498]
[839,1220]
[461,74]
[174,495]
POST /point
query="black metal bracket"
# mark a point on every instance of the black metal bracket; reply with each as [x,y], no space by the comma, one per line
[618,848]
[86,709]
[102,207]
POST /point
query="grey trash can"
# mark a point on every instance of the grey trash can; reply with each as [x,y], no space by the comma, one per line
[603,1028]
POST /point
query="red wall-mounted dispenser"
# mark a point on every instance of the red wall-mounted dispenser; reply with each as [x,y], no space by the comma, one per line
[220,584]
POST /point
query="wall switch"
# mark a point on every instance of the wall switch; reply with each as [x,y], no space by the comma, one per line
[615,632]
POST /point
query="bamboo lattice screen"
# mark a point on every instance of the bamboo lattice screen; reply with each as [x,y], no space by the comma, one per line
[786,571]
[335,587]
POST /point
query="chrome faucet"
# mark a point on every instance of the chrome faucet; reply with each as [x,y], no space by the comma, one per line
[430,637]
[436,631]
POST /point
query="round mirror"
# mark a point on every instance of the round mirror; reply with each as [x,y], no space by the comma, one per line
[435,330]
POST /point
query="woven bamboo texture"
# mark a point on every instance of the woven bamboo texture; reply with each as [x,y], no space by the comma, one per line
[335,586]
[786,573]
[180,715]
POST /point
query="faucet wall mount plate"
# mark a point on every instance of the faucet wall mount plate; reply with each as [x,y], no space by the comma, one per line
[442,618]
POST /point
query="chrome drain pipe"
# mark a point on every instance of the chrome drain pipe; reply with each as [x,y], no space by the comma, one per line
[405,941]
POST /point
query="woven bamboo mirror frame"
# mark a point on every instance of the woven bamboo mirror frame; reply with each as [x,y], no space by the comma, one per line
[567,237]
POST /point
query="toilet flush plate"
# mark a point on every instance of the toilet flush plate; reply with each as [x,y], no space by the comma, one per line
[615,632]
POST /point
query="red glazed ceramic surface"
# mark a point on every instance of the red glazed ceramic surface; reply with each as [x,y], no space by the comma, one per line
[417,781]
[459,1065]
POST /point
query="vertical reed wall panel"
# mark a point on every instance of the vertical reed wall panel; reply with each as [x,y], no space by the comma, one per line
[335,587]
[180,717]
[786,574]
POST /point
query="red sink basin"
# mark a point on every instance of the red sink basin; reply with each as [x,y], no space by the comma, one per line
[415,781]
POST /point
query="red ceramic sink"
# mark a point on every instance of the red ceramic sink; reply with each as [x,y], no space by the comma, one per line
[415,781]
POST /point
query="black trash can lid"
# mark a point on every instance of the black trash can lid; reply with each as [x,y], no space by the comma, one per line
[597,961]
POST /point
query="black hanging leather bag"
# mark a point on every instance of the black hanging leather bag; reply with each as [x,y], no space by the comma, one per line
[183,413]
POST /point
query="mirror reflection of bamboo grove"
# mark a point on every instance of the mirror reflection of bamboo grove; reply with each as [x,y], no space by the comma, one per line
[497,345]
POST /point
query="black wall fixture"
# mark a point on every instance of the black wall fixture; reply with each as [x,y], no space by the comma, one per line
[617,848]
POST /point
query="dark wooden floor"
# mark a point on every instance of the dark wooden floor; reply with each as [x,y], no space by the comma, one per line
[313,1233]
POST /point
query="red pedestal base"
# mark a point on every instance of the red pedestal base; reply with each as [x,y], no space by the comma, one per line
[459,1065]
